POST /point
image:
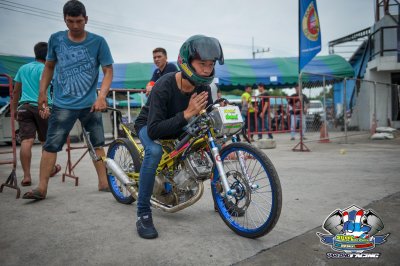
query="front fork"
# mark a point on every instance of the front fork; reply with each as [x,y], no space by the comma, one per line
[217,159]
[220,167]
[242,164]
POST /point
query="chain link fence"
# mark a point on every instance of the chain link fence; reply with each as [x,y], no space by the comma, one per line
[333,107]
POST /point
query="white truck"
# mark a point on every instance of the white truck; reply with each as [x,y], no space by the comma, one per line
[315,115]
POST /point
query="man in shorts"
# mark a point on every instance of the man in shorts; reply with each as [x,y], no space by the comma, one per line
[75,56]
[25,102]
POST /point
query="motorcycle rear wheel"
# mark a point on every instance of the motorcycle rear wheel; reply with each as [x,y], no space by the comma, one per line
[127,157]
[255,208]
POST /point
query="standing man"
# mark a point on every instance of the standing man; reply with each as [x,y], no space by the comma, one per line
[296,112]
[27,83]
[248,110]
[263,109]
[76,55]
[163,67]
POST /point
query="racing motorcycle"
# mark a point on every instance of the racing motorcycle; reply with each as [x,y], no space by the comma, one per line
[245,185]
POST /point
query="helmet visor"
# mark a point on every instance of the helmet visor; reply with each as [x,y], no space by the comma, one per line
[207,49]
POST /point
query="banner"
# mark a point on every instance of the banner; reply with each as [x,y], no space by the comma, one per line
[309,32]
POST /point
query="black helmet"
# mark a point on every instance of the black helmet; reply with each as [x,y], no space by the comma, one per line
[203,48]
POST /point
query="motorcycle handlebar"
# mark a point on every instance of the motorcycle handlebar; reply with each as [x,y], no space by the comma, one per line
[113,109]
[190,130]
[221,100]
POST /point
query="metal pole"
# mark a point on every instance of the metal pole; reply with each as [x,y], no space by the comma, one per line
[303,147]
[388,103]
[252,48]
[345,111]
[115,116]
[324,88]
[375,114]
[129,106]
[301,107]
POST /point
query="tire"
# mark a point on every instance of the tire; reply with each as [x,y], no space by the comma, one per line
[255,208]
[127,157]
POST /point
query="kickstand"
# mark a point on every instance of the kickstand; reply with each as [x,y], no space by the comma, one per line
[11,183]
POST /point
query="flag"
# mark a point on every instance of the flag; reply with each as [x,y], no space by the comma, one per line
[309,32]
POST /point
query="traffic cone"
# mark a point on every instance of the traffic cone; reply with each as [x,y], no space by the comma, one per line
[323,134]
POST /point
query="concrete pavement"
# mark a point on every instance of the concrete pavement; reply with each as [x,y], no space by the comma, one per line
[79,225]
[306,250]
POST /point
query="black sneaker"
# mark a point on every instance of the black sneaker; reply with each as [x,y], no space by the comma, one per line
[145,227]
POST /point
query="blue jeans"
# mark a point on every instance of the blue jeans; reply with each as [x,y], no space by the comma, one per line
[152,156]
[266,126]
[252,122]
[293,125]
[61,122]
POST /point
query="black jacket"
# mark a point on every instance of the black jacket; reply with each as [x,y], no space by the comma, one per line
[163,112]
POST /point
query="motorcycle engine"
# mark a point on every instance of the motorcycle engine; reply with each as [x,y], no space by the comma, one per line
[199,164]
[184,182]
[197,168]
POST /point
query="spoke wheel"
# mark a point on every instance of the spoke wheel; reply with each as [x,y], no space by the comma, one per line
[127,157]
[254,208]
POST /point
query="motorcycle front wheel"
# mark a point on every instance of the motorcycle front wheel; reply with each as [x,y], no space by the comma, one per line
[127,157]
[255,206]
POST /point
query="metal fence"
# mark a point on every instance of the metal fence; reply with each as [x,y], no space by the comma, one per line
[334,107]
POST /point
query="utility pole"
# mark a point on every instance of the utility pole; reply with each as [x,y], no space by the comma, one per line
[263,50]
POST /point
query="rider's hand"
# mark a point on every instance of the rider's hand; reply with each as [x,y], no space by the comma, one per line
[197,103]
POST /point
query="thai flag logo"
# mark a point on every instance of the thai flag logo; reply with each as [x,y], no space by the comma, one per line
[353,230]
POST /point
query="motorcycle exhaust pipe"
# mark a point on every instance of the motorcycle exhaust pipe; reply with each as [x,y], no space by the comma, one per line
[130,186]
[181,206]
[112,166]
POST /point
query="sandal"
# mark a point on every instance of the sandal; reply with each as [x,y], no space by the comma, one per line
[34,194]
[57,168]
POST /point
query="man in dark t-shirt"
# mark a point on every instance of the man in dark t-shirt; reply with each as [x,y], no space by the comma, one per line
[163,67]
[263,111]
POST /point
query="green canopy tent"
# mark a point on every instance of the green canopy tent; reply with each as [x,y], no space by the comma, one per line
[279,72]
[273,72]
[9,65]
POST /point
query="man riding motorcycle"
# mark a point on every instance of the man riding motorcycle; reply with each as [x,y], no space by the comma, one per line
[174,100]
